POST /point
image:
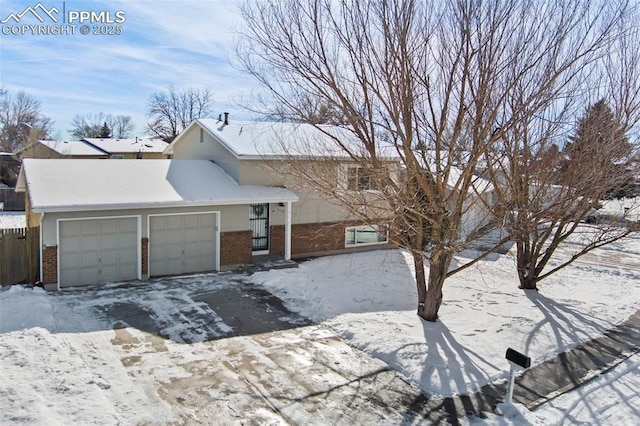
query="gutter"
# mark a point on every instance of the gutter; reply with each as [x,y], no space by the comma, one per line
[102,207]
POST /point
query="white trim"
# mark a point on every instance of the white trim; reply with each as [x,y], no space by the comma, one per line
[287,231]
[72,219]
[218,247]
[181,204]
[347,228]
[217,235]
[259,252]
[41,238]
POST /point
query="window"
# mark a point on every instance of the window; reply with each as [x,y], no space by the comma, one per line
[365,235]
[360,179]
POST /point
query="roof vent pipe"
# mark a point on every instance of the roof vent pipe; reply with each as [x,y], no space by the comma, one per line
[219,118]
[226,118]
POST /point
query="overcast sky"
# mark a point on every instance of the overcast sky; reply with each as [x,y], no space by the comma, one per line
[184,43]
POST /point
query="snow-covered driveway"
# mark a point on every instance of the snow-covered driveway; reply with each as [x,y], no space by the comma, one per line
[207,349]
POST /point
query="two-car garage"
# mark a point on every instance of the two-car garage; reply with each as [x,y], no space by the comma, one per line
[105,221]
[96,250]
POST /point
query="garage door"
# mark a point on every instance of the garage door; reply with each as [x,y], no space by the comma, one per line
[180,244]
[98,250]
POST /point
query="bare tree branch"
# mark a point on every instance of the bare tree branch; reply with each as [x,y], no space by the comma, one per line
[172,111]
[432,95]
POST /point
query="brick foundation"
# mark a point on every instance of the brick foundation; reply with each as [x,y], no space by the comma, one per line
[235,248]
[145,256]
[312,238]
[50,265]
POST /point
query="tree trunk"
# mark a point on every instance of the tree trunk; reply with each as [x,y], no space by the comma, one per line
[421,281]
[429,305]
[526,268]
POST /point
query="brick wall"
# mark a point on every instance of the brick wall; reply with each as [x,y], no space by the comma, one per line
[312,238]
[50,265]
[145,256]
[235,248]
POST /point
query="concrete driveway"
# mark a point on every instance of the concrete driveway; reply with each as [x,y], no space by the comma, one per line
[220,350]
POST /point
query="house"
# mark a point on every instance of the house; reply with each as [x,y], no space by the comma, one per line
[134,148]
[261,153]
[216,205]
[61,149]
[119,220]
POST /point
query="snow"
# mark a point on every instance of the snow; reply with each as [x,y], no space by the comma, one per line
[78,185]
[624,207]
[257,140]
[10,220]
[609,399]
[369,299]
[75,148]
[131,145]
[62,364]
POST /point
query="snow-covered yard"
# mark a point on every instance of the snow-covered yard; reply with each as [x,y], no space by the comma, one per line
[62,362]
[12,220]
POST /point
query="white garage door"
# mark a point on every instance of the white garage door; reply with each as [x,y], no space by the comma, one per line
[98,250]
[180,244]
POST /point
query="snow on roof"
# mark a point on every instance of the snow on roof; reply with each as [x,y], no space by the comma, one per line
[83,185]
[75,148]
[134,145]
[257,139]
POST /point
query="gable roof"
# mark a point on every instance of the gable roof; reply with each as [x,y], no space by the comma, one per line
[75,148]
[132,145]
[257,140]
[85,185]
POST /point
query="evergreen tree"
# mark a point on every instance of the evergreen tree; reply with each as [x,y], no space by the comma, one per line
[105,131]
[599,135]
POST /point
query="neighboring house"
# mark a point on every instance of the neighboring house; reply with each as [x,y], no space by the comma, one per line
[135,148]
[61,149]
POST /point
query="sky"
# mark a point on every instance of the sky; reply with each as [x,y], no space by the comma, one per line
[185,44]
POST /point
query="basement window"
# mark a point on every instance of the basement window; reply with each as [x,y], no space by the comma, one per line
[365,236]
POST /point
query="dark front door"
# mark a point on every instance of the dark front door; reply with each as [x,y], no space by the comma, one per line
[259,222]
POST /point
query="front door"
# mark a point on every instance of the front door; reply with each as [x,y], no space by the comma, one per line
[259,222]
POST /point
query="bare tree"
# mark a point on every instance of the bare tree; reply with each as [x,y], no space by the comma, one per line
[121,126]
[21,121]
[172,111]
[545,196]
[94,126]
[432,82]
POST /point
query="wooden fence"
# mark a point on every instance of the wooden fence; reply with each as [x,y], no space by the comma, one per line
[13,201]
[19,255]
